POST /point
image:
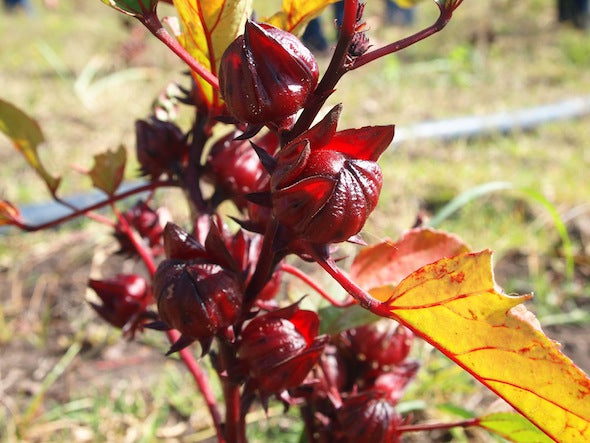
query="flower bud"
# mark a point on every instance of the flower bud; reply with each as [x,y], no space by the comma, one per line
[161,147]
[198,299]
[266,75]
[369,417]
[146,222]
[124,299]
[326,183]
[234,168]
[381,345]
[280,348]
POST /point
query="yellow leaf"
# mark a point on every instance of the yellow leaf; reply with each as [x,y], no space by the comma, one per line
[455,305]
[296,14]
[209,26]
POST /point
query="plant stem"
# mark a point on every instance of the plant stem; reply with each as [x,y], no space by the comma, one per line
[188,359]
[438,426]
[235,421]
[363,297]
[441,22]
[82,211]
[316,287]
[154,25]
[267,260]
[202,382]
[336,69]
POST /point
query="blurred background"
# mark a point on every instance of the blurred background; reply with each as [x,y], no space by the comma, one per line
[86,74]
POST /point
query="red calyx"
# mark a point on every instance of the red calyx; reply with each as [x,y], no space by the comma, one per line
[280,348]
[266,75]
[125,298]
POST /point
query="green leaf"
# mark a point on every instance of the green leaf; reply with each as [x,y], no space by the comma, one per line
[132,7]
[334,320]
[513,427]
[26,136]
[108,170]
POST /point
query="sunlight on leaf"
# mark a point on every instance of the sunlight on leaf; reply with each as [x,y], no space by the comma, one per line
[107,172]
[513,427]
[296,14]
[26,136]
[209,26]
[455,305]
[388,263]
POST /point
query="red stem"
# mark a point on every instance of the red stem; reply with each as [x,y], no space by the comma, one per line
[336,69]
[203,384]
[192,365]
[235,421]
[83,211]
[365,299]
[437,426]
[441,22]
[154,25]
[316,287]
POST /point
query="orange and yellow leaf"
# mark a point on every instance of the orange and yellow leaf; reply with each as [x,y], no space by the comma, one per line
[455,305]
[9,214]
[296,14]
[209,26]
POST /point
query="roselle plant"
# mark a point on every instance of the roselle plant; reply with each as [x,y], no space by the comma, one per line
[300,186]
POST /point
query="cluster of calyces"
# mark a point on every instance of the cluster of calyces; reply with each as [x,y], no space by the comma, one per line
[124,301]
[361,377]
[198,288]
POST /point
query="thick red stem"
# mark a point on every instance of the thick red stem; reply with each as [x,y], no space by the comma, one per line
[363,297]
[336,69]
[202,382]
[235,421]
[188,359]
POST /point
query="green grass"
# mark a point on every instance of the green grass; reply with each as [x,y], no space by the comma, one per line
[458,72]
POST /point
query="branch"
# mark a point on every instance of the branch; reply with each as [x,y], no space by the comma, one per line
[316,287]
[443,18]
[154,25]
[83,211]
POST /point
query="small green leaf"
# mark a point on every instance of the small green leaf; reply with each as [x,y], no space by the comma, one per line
[334,320]
[108,170]
[132,7]
[26,136]
[513,427]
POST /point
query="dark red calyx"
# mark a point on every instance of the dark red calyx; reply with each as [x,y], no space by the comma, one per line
[266,75]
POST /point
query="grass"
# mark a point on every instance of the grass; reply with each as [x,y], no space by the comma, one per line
[55,64]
